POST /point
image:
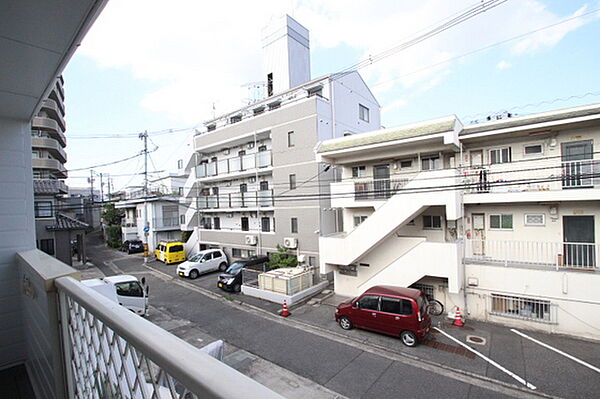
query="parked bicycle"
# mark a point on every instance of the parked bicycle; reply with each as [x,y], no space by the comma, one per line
[434,307]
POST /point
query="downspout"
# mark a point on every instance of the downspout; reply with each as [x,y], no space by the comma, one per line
[257,196]
[462,231]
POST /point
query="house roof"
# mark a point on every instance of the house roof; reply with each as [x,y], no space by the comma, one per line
[64,222]
[48,186]
[426,128]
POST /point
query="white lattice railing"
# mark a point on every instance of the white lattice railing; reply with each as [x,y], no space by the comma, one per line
[113,353]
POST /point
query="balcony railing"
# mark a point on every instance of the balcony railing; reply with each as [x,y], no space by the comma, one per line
[558,255]
[262,198]
[241,163]
[377,188]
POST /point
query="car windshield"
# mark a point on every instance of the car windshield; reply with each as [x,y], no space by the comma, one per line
[196,258]
[235,268]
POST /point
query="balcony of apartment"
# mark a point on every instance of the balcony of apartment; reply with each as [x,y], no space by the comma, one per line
[129,226]
[52,109]
[262,199]
[560,256]
[366,192]
[549,179]
[50,126]
[49,186]
[50,145]
[165,223]
[84,345]
[235,167]
[53,165]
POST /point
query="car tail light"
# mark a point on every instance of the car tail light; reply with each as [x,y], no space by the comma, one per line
[419,315]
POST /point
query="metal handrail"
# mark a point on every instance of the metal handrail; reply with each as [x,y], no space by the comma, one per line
[201,374]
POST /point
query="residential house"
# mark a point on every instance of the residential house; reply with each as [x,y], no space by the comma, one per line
[253,173]
[499,218]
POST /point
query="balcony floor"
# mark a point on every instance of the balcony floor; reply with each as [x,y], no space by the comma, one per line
[14,384]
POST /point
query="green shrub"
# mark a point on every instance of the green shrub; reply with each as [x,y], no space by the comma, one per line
[113,236]
[282,259]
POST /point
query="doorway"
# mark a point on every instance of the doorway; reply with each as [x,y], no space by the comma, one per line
[478,240]
[579,241]
[577,164]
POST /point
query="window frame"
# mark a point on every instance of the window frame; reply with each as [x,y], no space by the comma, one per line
[268,224]
[533,154]
[515,307]
[364,114]
[500,220]
[360,218]
[434,162]
[359,171]
[358,302]
[294,225]
[500,151]
[543,223]
[247,220]
[292,181]
[37,209]
[432,224]
[291,139]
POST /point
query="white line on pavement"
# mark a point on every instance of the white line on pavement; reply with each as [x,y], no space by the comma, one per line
[487,359]
[596,369]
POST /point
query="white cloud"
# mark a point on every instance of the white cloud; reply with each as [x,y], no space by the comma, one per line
[503,65]
[199,53]
[399,103]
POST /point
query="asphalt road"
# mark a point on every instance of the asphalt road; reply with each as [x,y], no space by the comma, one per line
[350,370]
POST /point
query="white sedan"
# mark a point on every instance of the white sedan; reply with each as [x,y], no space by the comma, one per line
[205,261]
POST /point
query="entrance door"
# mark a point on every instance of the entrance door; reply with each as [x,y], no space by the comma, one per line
[381,181]
[478,241]
[577,164]
[476,159]
[579,244]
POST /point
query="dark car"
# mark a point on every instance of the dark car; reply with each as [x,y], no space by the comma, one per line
[132,246]
[401,312]
[231,280]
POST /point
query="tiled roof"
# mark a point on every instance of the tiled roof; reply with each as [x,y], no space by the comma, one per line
[49,186]
[64,222]
[391,134]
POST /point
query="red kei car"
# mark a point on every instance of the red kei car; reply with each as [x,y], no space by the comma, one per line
[397,311]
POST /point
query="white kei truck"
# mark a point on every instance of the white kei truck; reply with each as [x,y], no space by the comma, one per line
[124,289]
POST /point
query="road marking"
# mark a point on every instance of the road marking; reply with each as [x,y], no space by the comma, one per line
[596,369]
[487,359]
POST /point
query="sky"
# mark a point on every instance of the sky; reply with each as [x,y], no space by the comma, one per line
[167,66]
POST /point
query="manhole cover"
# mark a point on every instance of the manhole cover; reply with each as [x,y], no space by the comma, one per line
[473,339]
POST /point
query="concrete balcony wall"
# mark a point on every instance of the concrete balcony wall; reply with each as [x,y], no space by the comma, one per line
[51,126]
[51,145]
[51,107]
[52,164]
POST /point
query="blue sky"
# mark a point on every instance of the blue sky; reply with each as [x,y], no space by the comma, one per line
[154,65]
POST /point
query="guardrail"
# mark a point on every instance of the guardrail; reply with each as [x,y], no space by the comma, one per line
[240,163]
[377,188]
[111,352]
[262,198]
[558,255]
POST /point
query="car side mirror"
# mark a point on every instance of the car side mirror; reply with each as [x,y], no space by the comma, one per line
[143,280]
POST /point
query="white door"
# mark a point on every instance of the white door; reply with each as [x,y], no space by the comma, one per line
[131,295]
[478,240]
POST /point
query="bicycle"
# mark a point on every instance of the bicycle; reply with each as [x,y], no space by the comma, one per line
[434,307]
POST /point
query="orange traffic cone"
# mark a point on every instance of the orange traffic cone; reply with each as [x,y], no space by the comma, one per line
[458,322]
[285,312]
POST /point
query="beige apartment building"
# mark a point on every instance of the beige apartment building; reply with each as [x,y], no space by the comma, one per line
[500,218]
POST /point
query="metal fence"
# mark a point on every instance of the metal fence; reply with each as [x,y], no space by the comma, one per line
[377,188]
[523,308]
[542,253]
[282,284]
[111,352]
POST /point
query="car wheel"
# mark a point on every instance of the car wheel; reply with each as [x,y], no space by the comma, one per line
[408,338]
[194,274]
[345,323]
[237,287]
[223,267]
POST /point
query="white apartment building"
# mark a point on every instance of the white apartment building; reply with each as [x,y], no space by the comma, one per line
[253,174]
[499,218]
[161,211]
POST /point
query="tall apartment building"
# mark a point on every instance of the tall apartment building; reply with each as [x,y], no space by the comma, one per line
[500,218]
[56,230]
[254,183]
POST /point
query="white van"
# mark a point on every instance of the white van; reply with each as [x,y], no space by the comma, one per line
[124,289]
[205,261]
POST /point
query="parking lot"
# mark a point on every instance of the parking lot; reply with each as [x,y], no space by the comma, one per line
[512,357]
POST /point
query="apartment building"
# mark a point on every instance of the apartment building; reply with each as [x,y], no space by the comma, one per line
[499,218]
[160,211]
[254,183]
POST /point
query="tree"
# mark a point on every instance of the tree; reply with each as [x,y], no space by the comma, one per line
[282,259]
[113,236]
[111,215]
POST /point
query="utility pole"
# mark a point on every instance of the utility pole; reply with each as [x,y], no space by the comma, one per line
[144,137]
[92,185]
[101,189]
[108,178]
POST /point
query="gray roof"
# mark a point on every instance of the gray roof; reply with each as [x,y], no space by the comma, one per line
[391,134]
[49,186]
[533,119]
[64,222]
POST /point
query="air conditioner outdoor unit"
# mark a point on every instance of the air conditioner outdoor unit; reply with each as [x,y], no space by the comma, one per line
[290,242]
[226,151]
[251,240]
[251,145]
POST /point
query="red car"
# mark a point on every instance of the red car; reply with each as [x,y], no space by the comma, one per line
[401,312]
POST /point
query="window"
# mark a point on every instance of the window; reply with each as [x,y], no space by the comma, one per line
[500,155]
[37,175]
[369,302]
[259,110]
[270,84]
[243,188]
[359,171]
[294,225]
[181,219]
[210,128]
[132,288]
[432,222]
[292,182]
[522,308]
[263,185]
[431,162]
[217,223]
[411,223]
[363,113]
[406,164]
[533,149]
[262,148]
[235,119]
[315,91]
[359,219]
[176,248]
[35,154]
[501,222]
[291,139]
[180,164]
[312,260]
[265,224]
[236,252]
[180,191]
[43,209]
[535,219]
[47,246]
[396,306]
[245,224]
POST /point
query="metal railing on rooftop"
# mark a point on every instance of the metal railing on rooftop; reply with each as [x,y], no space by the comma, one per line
[260,159]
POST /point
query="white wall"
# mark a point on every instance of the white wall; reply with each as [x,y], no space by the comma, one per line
[348,92]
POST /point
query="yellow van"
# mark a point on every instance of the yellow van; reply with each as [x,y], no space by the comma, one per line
[170,252]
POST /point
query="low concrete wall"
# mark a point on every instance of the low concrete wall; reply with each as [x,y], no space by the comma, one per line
[279,298]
